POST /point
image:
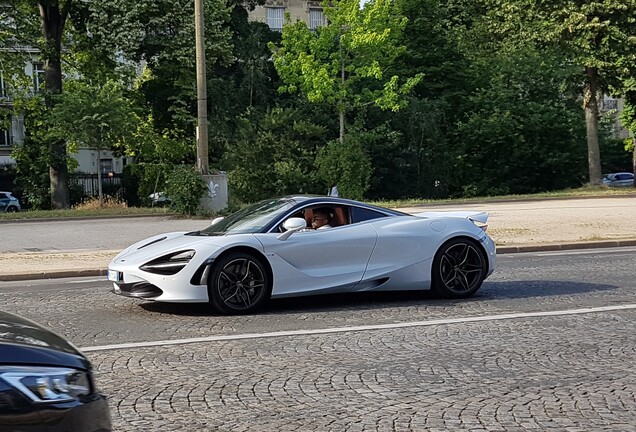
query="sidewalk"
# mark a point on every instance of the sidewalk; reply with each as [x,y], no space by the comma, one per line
[515,226]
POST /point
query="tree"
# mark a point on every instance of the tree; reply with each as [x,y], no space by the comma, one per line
[275,155]
[51,17]
[346,62]
[98,117]
[595,35]
[160,34]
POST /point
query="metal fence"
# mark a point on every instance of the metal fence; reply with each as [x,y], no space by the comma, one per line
[111,183]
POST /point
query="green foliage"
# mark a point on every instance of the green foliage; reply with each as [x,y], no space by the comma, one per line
[94,116]
[345,63]
[521,132]
[32,179]
[149,145]
[161,34]
[346,165]
[33,156]
[275,156]
[143,179]
[185,188]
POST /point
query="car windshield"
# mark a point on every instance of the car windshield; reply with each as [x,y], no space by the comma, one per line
[250,219]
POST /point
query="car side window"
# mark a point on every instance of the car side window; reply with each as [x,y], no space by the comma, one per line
[3,196]
[361,214]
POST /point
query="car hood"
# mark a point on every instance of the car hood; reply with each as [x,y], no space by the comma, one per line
[25,342]
[164,244]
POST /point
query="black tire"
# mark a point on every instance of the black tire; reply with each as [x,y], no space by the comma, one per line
[239,283]
[12,209]
[459,269]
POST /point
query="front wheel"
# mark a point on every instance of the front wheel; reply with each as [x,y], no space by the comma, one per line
[459,268]
[239,283]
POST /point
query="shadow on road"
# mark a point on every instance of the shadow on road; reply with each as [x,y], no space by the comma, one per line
[490,292]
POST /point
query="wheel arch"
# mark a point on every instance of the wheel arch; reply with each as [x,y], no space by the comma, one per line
[460,237]
[250,250]
[201,276]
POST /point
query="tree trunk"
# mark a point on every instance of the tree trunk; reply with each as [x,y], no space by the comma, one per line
[342,83]
[342,126]
[591,123]
[52,20]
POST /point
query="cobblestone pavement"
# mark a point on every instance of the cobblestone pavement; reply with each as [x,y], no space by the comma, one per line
[572,374]
[561,373]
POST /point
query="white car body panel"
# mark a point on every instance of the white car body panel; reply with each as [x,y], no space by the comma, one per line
[319,261]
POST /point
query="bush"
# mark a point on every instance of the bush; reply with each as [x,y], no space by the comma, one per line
[185,187]
[345,165]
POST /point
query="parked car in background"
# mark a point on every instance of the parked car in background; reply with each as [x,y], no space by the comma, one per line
[159,199]
[46,384]
[9,203]
[622,179]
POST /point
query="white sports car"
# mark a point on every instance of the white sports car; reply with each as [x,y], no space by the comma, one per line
[268,250]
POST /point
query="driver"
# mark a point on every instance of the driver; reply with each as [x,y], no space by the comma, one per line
[321,218]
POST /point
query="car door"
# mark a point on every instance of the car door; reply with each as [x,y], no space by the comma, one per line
[319,261]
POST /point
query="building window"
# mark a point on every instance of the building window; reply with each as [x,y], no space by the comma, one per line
[316,19]
[38,77]
[275,18]
[6,140]
[106,165]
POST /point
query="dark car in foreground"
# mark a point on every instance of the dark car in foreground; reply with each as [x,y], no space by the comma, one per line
[46,384]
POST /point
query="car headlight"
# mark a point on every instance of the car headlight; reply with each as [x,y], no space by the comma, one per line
[169,264]
[47,384]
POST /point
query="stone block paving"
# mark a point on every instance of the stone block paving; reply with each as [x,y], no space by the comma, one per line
[570,373]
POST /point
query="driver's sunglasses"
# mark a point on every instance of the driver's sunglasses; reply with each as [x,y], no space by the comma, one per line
[313,219]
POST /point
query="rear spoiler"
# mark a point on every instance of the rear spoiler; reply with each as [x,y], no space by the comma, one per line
[479,217]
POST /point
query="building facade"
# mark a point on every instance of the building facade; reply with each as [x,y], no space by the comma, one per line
[273,13]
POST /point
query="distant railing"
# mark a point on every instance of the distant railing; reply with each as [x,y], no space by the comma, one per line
[111,183]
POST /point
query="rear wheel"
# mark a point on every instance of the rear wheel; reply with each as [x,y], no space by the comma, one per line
[459,268]
[239,283]
[12,209]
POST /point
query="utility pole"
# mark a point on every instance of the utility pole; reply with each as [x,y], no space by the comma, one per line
[202,97]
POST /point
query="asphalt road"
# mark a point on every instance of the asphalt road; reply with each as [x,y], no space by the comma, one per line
[547,344]
[88,234]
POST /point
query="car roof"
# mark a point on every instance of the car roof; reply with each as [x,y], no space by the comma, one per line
[325,199]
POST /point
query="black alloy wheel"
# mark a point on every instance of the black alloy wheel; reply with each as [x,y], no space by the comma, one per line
[238,284]
[12,209]
[459,268]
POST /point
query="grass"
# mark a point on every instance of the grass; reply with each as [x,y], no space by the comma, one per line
[91,208]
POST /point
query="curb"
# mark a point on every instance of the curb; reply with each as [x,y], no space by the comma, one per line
[565,246]
[501,250]
[53,274]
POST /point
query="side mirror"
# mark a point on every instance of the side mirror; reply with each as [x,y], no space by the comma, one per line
[291,226]
[217,219]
